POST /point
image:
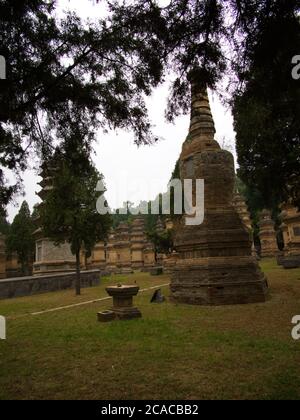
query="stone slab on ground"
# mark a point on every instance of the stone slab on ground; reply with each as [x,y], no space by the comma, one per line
[291,262]
[27,286]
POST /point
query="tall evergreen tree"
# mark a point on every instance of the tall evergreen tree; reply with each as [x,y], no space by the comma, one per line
[4,225]
[20,238]
[266,110]
[68,213]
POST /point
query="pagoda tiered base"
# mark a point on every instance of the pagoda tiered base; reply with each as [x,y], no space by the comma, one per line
[215,265]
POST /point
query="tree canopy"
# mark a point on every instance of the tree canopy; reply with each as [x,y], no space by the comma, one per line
[61,71]
[64,71]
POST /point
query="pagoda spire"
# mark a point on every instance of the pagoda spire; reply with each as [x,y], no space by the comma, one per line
[202,123]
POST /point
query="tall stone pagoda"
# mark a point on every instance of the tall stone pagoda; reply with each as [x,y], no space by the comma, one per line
[215,265]
[267,235]
[50,258]
[137,243]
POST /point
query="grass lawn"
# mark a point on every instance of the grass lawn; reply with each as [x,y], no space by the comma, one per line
[173,352]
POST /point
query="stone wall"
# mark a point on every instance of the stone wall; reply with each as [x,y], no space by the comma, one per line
[26,286]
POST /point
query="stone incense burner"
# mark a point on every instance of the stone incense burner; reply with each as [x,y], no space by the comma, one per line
[123,301]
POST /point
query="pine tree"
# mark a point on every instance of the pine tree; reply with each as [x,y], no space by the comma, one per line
[68,213]
[20,238]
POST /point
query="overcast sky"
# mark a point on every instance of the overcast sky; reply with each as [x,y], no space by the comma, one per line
[133,173]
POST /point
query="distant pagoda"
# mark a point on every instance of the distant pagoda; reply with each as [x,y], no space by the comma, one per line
[122,248]
[242,210]
[138,242]
[267,235]
[290,217]
[49,258]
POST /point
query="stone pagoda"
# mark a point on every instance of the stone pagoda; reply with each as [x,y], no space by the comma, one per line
[122,248]
[149,256]
[215,265]
[290,227]
[98,257]
[137,243]
[50,258]
[111,254]
[267,235]
[242,210]
[160,229]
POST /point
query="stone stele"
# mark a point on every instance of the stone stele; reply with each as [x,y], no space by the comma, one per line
[215,265]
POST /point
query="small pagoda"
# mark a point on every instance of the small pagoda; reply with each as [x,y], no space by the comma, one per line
[290,217]
[242,210]
[267,235]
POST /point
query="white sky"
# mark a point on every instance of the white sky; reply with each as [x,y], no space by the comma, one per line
[144,172]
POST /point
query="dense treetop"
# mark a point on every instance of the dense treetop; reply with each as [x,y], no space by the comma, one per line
[65,75]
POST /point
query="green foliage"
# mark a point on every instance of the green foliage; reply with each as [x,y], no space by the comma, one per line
[4,225]
[266,110]
[59,70]
[20,238]
[68,213]
[163,242]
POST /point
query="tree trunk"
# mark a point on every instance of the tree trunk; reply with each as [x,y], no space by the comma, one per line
[78,282]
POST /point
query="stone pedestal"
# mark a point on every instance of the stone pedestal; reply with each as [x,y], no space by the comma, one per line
[123,301]
[267,235]
[215,265]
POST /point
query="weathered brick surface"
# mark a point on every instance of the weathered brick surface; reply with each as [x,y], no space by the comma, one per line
[215,265]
